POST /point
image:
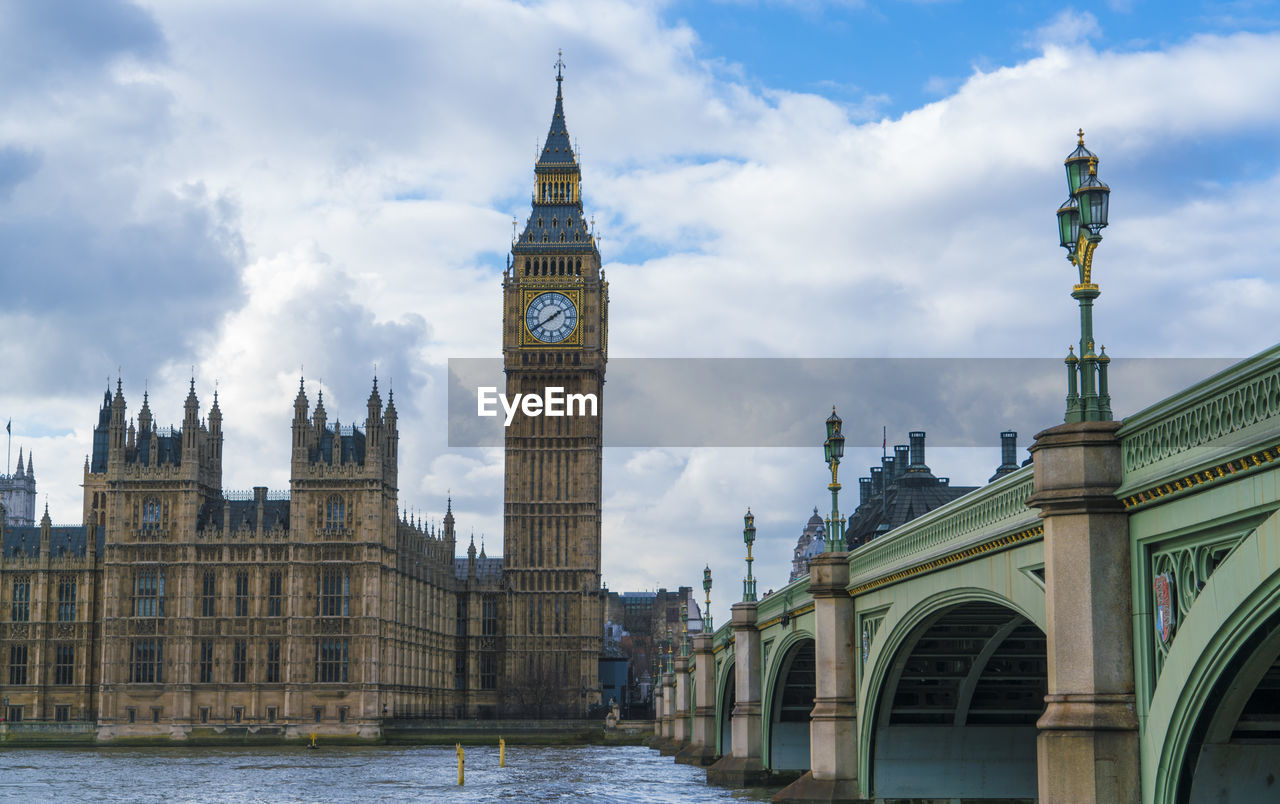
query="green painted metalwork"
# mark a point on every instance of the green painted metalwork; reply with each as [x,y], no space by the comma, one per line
[868,625]
[997,508]
[785,639]
[788,597]
[1231,413]
[833,451]
[1239,595]
[1189,563]
[900,608]
[1218,541]
[1080,223]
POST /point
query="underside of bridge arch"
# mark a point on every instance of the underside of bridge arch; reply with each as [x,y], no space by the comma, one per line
[956,716]
[792,704]
[1234,752]
[727,697]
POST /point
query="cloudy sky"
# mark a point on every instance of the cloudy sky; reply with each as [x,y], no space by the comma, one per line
[244,190]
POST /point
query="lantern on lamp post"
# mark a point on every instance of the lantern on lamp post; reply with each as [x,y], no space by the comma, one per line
[1081,219]
[706,587]
[684,628]
[833,450]
[749,536]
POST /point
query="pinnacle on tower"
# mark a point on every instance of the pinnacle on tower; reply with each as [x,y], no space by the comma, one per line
[215,413]
[374,406]
[192,406]
[300,402]
[144,414]
[320,415]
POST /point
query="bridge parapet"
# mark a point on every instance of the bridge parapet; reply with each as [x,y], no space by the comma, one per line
[786,600]
[946,534]
[1232,414]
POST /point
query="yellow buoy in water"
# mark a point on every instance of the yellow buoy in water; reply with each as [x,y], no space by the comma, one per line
[502,753]
[462,763]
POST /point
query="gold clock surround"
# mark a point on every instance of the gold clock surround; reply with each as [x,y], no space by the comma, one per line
[527,296]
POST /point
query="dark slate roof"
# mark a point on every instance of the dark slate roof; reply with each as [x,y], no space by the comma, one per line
[244,513]
[909,496]
[25,540]
[557,227]
[557,151]
[487,569]
[168,447]
[351,442]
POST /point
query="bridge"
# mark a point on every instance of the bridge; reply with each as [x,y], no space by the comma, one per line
[1102,625]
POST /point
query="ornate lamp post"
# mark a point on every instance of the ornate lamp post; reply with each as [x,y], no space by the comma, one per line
[833,449]
[684,628]
[1081,220]
[669,667]
[749,536]
[706,587]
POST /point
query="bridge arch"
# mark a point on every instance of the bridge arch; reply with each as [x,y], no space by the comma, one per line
[726,694]
[951,699]
[787,702]
[1214,719]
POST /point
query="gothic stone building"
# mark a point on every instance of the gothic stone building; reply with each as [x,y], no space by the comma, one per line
[179,606]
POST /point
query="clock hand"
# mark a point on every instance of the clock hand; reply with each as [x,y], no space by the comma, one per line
[544,322]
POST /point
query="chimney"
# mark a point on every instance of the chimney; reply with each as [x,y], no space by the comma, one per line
[877,480]
[1008,454]
[917,451]
[900,459]
[864,489]
[1009,448]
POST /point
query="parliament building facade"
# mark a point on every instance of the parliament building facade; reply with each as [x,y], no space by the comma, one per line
[178,608]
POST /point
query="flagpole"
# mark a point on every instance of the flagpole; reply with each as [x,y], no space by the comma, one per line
[8,458]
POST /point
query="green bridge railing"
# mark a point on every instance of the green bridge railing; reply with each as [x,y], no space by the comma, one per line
[995,509]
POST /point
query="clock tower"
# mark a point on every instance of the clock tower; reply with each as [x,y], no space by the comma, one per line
[555,315]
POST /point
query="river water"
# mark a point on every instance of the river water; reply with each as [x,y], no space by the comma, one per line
[350,774]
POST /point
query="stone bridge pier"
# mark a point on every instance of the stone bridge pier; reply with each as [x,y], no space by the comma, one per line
[1087,749]
[744,766]
[701,749]
[833,724]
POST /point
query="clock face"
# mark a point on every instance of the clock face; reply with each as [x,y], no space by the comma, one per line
[551,317]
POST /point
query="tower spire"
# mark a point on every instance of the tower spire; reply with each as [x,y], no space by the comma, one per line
[556,223]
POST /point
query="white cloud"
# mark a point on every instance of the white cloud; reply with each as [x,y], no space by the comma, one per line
[1069,27]
[338,187]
